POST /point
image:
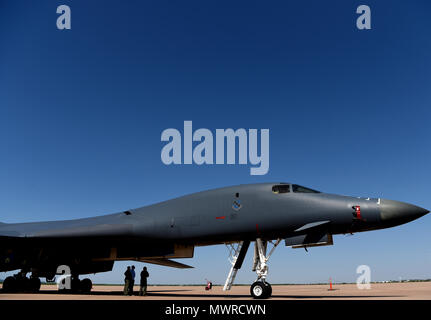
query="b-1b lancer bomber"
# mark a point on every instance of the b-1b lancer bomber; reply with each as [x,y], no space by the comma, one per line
[263,214]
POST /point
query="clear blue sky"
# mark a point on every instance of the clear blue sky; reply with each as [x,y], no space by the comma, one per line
[81,113]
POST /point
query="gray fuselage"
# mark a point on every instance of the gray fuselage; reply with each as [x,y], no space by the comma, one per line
[237,213]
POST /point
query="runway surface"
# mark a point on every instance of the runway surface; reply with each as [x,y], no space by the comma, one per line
[380,291]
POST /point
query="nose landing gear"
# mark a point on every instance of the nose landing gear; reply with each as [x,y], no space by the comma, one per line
[260,289]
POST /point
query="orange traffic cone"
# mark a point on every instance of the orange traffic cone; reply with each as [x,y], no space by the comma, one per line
[330,284]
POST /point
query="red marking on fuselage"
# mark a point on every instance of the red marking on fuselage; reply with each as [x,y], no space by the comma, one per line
[257,228]
[222,217]
[358,212]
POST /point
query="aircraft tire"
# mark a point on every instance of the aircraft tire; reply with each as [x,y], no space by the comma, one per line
[9,284]
[259,290]
[75,285]
[86,285]
[269,289]
[34,284]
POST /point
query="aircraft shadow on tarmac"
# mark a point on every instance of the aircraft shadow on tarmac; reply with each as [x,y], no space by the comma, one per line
[274,296]
[179,293]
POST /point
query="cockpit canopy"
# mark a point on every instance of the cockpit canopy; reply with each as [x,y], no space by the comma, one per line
[281,188]
[286,188]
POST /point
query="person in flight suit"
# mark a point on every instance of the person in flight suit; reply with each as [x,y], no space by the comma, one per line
[127,278]
[144,276]
[132,280]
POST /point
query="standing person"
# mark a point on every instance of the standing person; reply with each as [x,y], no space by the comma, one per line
[144,276]
[132,280]
[127,277]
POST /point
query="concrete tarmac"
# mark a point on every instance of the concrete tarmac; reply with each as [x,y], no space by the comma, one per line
[379,291]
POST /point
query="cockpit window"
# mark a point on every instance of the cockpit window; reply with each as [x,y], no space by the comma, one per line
[301,189]
[281,188]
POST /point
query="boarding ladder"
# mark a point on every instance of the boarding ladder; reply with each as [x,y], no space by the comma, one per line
[236,256]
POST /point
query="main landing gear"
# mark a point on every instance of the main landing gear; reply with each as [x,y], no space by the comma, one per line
[20,283]
[77,286]
[260,289]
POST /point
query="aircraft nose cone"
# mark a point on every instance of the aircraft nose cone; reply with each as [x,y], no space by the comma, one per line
[396,212]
